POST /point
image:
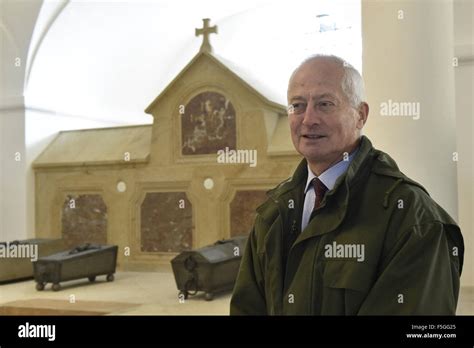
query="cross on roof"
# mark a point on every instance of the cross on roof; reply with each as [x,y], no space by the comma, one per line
[205,32]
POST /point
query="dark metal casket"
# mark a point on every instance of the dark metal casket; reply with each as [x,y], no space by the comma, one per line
[15,268]
[211,269]
[85,261]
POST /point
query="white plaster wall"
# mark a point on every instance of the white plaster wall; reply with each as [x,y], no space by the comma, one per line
[464,80]
[410,60]
[17,20]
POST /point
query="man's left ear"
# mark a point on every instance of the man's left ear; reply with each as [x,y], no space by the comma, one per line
[363,112]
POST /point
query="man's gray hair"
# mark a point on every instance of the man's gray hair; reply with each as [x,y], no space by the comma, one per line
[352,82]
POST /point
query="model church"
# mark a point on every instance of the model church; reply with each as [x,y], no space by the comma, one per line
[195,176]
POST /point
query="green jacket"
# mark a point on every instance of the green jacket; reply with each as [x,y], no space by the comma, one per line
[412,249]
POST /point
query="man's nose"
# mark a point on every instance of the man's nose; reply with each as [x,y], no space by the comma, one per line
[311,116]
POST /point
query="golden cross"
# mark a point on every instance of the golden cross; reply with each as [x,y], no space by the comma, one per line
[205,32]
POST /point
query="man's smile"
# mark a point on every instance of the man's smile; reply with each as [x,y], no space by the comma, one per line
[313,136]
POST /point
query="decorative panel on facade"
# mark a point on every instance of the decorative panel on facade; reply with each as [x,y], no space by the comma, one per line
[208,124]
[84,220]
[242,211]
[166,222]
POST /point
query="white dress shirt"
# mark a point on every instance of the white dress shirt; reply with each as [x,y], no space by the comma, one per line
[328,178]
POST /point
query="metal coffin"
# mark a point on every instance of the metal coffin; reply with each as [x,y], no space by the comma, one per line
[14,268]
[211,269]
[85,261]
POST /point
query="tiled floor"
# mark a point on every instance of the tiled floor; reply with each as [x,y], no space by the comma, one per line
[135,293]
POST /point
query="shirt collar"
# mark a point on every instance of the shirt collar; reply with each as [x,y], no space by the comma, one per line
[330,175]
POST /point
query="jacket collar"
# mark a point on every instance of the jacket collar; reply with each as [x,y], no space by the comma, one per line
[332,216]
[301,172]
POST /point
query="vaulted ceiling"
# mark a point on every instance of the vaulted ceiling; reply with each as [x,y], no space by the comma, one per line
[108,60]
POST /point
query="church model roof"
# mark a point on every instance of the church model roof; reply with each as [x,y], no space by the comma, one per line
[97,147]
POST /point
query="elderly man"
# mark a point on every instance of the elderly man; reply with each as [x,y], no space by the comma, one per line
[348,233]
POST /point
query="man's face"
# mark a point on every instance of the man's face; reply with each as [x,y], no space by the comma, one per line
[323,123]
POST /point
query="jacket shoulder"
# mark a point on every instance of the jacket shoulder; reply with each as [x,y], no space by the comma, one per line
[406,192]
[412,207]
[268,210]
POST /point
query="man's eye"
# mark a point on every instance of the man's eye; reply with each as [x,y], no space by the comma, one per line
[326,104]
[297,108]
